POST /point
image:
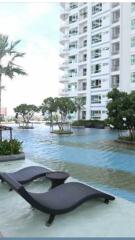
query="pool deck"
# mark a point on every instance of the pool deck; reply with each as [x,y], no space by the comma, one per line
[92,219]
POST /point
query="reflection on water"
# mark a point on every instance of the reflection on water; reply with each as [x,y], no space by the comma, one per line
[90,155]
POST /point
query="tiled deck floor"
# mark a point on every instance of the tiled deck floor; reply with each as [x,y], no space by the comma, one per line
[92,219]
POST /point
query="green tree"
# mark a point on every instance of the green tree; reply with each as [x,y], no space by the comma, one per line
[26,112]
[65,106]
[79,104]
[48,107]
[8,57]
[121,111]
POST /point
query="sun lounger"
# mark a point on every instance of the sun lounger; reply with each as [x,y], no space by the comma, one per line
[59,200]
[27,174]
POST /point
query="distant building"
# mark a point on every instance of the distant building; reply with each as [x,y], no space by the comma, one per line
[98,52]
[3,112]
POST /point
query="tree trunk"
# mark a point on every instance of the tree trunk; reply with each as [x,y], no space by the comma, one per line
[0,109]
[79,114]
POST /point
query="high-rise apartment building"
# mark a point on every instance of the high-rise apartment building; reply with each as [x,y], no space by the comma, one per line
[97,51]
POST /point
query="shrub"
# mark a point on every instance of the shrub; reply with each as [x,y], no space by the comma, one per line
[8,147]
[90,123]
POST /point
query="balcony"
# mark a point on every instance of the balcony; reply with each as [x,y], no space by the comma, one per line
[63,52]
[64,65]
[64,27]
[64,15]
[115,68]
[64,39]
[63,79]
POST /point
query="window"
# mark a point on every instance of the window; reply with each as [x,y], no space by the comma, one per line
[84,85]
[133,59]
[96,68]
[133,41]
[72,59]
[73,32]
[84,71]
[96,8]
[115,64]
[83,13]
[96,83]
[133,7]
[97,23]
[115,4]
[115,32]
[133,24]
[83,114]
[95,114]
[84,100]
[96,38]
[96,99]
[73,18]
[73,5]
[73,73]
[115,48]
[84,29]
[96,53]
[115,81]
[115,16]
[84,43]
[72,45]
[133,77]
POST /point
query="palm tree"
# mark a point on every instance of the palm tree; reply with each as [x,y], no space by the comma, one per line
[8,67]
[79,103]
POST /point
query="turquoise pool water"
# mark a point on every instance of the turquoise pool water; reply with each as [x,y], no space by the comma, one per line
[91,155]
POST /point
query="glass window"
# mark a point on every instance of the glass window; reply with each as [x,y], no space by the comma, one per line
[133,24]
[115,32]
[96,68]
[115,64]
[133,7]
[115,48]
[73,18]
[73,45]
[96,38]
[133,59]
[95,114]
[83,13]
[96,83]
[96,53]
[84,85]
[83,114]
[96,99]
[96,8]
[84,71]
[115,81]
[115,4]
[115,16]
[133,41]
[73,5]
[133,77]
[73,32]
[97,23]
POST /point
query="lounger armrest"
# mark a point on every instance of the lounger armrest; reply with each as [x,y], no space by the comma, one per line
[12,182]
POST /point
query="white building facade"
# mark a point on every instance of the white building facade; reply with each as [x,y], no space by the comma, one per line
[97,51]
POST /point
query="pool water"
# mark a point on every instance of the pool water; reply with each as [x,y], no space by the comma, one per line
[90,155]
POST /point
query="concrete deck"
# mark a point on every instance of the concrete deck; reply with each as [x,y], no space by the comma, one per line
[92,219]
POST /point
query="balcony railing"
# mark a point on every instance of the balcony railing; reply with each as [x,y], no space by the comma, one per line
[115,68]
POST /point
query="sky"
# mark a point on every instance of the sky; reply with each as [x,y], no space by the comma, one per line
[37,26]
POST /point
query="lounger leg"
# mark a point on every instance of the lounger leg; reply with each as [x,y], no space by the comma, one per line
[50,220]
[106,201]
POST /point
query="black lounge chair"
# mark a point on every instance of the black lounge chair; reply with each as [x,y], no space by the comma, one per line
[61,199]
[27,174]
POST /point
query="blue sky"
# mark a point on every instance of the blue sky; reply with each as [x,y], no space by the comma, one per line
[37,25]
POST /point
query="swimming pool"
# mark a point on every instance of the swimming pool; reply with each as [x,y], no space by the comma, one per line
[90,155]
